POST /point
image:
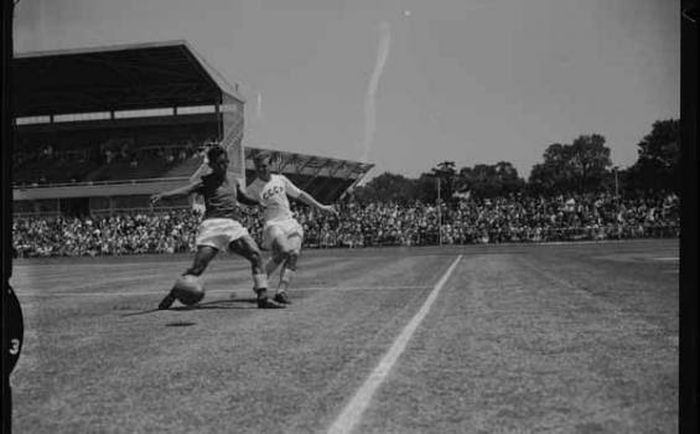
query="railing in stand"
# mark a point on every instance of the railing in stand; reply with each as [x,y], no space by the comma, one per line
[112,182]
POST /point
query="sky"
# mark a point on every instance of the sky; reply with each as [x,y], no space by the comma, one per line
[407,84]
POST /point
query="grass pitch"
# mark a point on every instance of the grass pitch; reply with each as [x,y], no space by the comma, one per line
[521,338]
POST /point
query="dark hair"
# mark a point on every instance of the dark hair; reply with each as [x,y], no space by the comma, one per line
[214,152]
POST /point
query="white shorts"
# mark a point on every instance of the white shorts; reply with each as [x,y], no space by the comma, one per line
[219,232]
[286,228]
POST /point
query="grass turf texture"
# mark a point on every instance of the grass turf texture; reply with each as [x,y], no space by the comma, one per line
[522,338]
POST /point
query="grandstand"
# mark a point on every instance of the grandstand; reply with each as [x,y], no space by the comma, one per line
[100,130]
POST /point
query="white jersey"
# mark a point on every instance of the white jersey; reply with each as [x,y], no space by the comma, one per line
[273,196]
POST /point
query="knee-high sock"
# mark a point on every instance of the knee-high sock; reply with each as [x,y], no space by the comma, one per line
[260,283]
[286,277]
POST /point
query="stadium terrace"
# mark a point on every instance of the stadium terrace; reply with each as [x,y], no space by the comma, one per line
[100,130]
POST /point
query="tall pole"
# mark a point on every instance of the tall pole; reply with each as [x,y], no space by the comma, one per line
[690,123]
[439,213]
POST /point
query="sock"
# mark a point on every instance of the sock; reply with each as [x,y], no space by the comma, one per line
[260,283]
[285,279]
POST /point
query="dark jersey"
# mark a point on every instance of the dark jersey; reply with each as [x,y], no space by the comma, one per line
[219,194]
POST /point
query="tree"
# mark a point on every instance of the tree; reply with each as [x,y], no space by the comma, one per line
[447,175]
[658,161]
[581,166]
[507,177]
[486,180]
[387,187]
[553,174]
[590,159]
[447,167]
[426,189]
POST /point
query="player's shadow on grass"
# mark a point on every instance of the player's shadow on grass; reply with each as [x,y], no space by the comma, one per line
[180,324]
[224,303]
[235,303]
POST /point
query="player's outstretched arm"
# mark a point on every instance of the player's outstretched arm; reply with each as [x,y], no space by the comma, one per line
[294,191]
[244,198]
[181,191]
[309,200]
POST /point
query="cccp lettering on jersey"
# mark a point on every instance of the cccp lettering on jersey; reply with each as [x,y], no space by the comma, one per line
[272,191]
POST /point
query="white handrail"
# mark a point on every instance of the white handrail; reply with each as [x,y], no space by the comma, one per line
[92,183]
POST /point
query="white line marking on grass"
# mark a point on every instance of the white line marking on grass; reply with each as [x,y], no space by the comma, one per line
[357,288]
[352,412]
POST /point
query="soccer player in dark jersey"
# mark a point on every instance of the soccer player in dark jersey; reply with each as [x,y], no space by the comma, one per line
[220,228]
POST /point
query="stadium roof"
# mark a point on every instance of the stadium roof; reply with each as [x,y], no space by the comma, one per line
[310,165]
[325,178]
[124,77]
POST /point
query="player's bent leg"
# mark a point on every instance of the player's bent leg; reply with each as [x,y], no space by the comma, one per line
[248,248]
[295,241]
[271,236]
[275,259]
[289,268]
[273,262]
[201,260]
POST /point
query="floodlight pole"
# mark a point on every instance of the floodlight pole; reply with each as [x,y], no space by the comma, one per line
[439,211]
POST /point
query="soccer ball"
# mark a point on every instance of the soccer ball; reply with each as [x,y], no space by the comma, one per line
[188,289]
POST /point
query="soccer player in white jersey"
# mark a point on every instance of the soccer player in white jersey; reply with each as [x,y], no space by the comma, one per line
[282,234]
[221,229]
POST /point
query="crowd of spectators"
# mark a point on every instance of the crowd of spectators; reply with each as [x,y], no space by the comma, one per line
[109,235]
[506,219]
[167,153]
[474,221]
[48,164]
